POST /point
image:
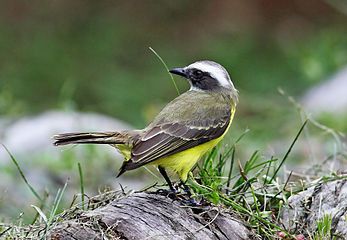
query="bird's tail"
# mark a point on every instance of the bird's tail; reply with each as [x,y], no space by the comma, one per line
[93,137]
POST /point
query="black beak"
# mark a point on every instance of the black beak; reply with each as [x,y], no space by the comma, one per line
[179,71]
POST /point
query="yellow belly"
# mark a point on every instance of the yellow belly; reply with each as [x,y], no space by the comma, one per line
[184,161]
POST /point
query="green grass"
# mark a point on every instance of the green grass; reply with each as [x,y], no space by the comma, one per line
[34,192]
[81,183]
[255,190]
[324,228]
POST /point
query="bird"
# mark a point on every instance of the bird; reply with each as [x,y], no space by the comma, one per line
[184,130]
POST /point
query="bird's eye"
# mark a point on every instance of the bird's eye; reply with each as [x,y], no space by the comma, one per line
[198,73]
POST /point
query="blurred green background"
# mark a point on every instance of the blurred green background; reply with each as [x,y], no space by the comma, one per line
[93,56]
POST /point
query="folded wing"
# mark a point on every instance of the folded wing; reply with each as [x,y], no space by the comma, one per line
[170,138]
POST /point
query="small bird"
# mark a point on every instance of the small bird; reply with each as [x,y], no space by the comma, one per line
[184,130]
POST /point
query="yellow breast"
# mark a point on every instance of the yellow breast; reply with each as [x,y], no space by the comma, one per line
[184,161]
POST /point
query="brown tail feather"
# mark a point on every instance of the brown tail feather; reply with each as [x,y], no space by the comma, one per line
[94,137]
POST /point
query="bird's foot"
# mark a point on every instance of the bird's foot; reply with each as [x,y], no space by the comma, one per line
[186,189]
[196,204]
[184,198]
[170,193]
[191,202]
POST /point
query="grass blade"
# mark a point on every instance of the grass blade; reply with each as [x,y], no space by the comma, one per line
[39,211]
[289,150]
[231,168]
[56,203]
[81,183]
[22,174]
[5,231]
[167,69]
[268,170]
[42,205]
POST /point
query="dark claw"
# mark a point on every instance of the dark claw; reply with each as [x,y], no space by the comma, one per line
[190,202]
[185,189]
[167,193]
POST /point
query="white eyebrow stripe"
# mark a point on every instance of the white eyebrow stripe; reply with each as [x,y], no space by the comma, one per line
[215,71]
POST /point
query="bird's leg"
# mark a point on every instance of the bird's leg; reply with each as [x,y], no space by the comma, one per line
[166,177]
[186,189]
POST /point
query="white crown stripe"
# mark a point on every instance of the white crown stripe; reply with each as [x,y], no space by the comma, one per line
[216,71]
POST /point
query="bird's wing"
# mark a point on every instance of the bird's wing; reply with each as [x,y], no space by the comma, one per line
[164,138]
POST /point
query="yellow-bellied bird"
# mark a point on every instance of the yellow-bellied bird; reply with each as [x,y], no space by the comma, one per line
[187,127]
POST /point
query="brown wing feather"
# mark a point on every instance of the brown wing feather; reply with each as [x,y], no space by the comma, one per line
[167,139]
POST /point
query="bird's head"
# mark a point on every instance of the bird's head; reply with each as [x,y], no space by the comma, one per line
[205,75]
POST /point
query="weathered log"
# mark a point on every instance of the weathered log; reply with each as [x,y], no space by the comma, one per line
[151,216]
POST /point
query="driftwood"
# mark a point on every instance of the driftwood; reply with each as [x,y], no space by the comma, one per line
[151,216]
